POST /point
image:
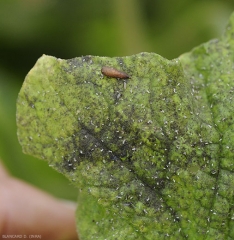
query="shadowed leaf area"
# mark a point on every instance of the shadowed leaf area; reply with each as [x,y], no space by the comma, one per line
[152,155]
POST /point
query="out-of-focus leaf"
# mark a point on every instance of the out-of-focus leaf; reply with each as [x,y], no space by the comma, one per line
[152,155]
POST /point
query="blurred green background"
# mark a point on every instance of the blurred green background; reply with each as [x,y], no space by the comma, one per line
[71,28]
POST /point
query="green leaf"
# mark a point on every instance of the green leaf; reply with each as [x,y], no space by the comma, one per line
[152,155]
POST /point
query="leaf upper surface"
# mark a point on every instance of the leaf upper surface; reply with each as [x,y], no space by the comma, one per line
[152,155]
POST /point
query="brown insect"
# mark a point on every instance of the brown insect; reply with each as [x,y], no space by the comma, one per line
[114,73]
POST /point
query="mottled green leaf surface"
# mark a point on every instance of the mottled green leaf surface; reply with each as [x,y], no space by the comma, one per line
[152,156]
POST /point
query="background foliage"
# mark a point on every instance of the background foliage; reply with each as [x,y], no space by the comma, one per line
[67,29]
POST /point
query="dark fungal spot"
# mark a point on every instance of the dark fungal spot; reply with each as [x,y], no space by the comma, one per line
[114,73]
